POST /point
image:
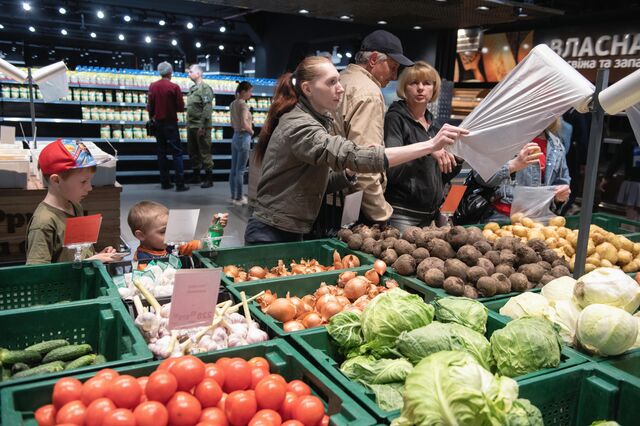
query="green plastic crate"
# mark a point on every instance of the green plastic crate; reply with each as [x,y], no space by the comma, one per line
[105,325]
[318,346]
[581,395]
[302,285]
[20,402]
[628,362]
[28,286]
[617,224]
[267,255]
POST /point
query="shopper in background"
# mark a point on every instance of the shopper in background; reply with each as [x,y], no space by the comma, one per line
[298,150]
[360,114]
[199,107]
[415,189]
[541,162]
[241,121]
[67,167]
[163,103]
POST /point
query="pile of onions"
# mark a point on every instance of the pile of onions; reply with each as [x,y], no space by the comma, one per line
[304,267]
[352,292]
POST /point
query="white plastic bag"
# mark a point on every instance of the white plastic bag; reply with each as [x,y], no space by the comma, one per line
[537,91]
[533,202]
[633,113]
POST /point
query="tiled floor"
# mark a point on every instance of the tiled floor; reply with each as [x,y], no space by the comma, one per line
[209,201]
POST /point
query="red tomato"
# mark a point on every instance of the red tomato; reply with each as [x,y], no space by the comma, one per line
[94,388]
[208,393]
[189,371]
[184,409]
[125,392]
[66,390]
[268,417]
[214,415]
[298,387]
[292,423]
[324,421]
[213,371]
[222,402]
[151,413]
[290,399]
[308,409]
[98,410]
[270,393]
[237,375]
[222,362]
[207,424]
[143,382]
[257,374]
[240,407]
[73,412]
[46,415]
[107,373]
[277,377]
[259,362]
[119,417]
[167,363]
[161,386]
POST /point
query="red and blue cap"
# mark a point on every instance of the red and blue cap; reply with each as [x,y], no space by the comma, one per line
[62,155]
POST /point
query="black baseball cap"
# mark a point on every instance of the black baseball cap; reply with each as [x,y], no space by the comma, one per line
[384,42]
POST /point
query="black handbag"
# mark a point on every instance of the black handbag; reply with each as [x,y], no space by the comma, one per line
[329,220]
[476,205]
[151,127]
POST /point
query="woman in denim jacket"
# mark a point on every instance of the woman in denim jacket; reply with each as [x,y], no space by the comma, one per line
[526,170]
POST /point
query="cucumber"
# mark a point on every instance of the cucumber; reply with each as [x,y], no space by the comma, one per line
[18,367]
[100,359]
[80,362]
[67,353]
[8,357]
[51,367]
[45,347]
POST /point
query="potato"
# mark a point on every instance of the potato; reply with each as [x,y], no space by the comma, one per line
[517,217]
[604,263]
[572,238]
[528,222]
[550,232]
[557,221]
[562,232]
[569,250]
[487,233]
[607,251]
[624,257]
[613,239]
[631,267]
[594,260]
[627,244]
[508,228]
[536,234]
[591,247]
[520,231]
[572,263]
[551,242]
[636,249]
[588,267]
[598,238]
[491,226]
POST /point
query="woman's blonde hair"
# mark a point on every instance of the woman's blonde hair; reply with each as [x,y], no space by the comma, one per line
[420,71]
[555,126]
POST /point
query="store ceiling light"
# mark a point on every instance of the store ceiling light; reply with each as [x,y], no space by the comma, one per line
[126,18]
[483,8]
[251,48]
[93,35]
[223,28]
[174,42]
[382,22]
[62,11]
[26,6]
[189,25]
[521,12]
[348,54]
[417,27]
[339,55]
[63,32]
[100,14]
[162,22]
[345,17]
[121,37]
[221,47]
[198,45]
[303,11]
[147,39]
[32,29]
[1,27]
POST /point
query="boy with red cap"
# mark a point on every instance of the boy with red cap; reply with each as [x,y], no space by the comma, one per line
[68,167]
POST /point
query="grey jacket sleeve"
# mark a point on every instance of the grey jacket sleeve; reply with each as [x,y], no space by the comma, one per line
[337,181]
[312,144]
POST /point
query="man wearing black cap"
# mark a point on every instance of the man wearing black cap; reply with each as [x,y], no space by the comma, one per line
[360,115]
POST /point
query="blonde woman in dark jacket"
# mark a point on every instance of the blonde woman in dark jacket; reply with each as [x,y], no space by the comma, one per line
[298,152]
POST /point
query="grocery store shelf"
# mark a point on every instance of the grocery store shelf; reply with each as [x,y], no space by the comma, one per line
[110,140]
[42,120]
[155,157]
[112,104]
[157,172]
[78,121]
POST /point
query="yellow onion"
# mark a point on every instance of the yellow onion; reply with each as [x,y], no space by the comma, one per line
[293,326]
[350,261]
[352,308]
[297,303]
[391,284]
[380,267]
[309,299]
[251,278]
[324,299]
[266,299]
[372,276]
[298,269]
[356,287]
[322,290]
[312,319]
[258,272]
[344,277]
[231,271]
[329,309]
[282,310]
[343,300]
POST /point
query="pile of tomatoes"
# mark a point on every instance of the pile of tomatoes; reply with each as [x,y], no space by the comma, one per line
[185,392]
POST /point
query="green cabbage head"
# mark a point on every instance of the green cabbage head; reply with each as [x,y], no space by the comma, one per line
[464,311]
[606,330]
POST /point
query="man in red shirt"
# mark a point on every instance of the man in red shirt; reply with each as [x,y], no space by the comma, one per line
[164,102]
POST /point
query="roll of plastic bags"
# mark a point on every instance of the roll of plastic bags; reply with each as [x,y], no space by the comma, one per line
[621,95]
[537,91]
[633,114]
[52,81]
[533,202]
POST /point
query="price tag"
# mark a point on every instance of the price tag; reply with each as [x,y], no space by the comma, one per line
[351,208]
[122,104]
[453,199]
[181,226]
[121,87]
[82,230]
[122,121]
[194,299]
